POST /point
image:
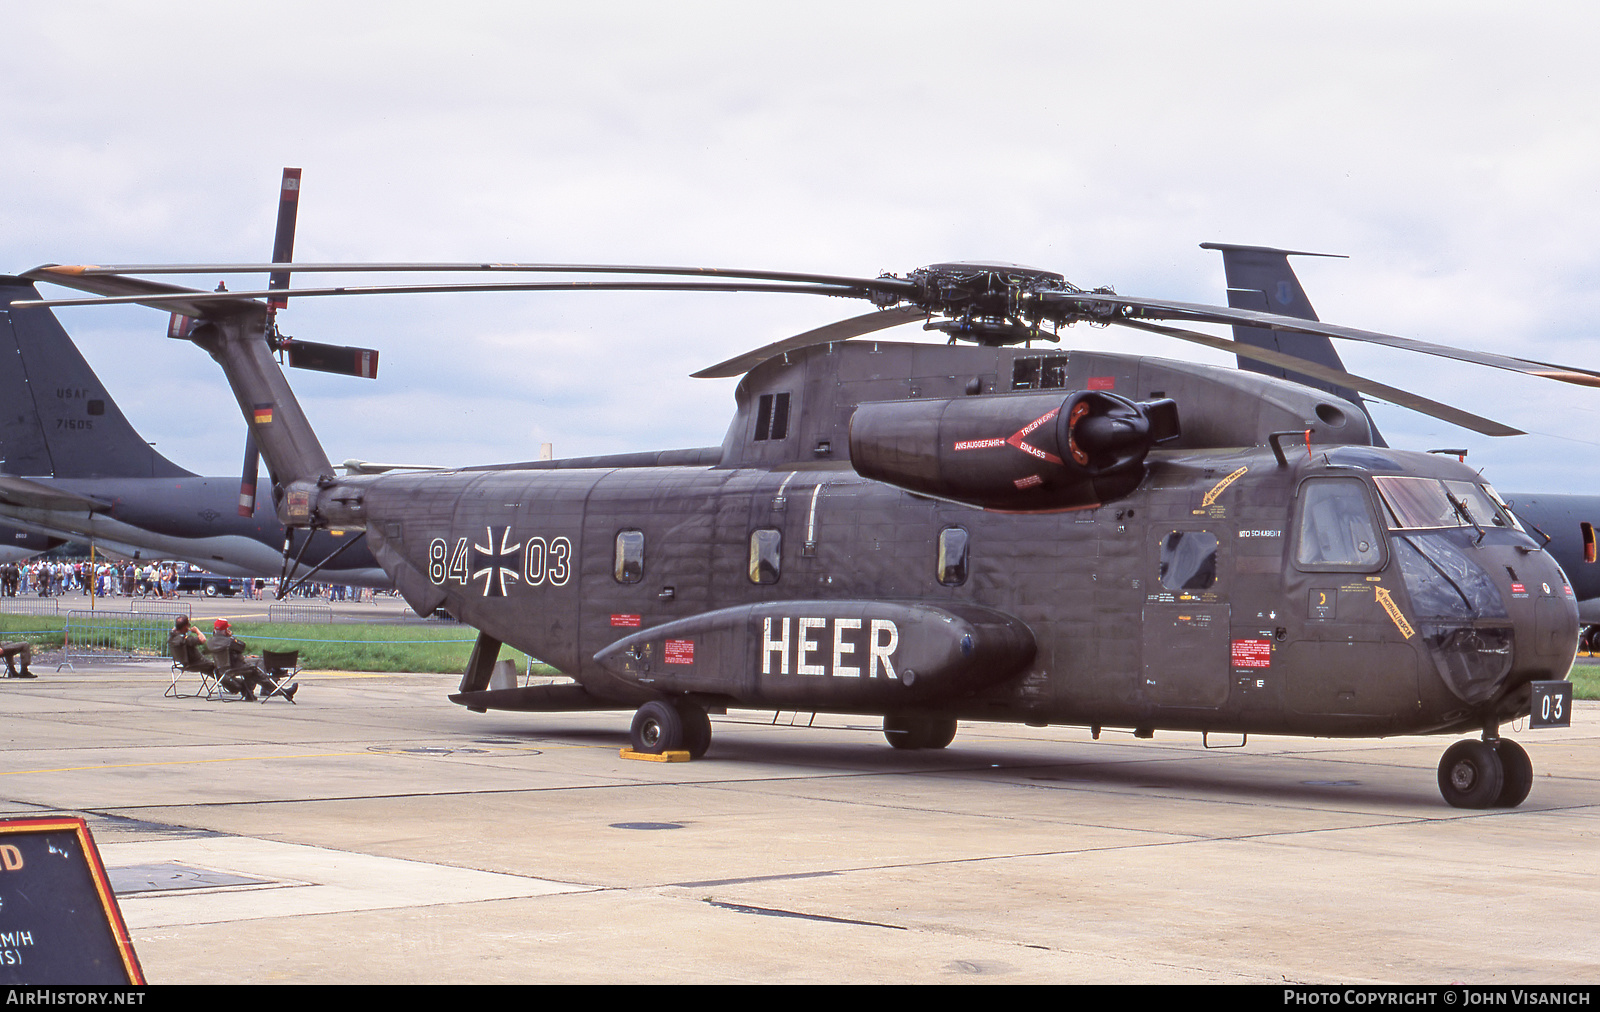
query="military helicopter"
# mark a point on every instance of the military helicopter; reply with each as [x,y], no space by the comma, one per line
[987,532]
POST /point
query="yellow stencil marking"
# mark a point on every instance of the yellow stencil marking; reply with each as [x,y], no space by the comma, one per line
[1222,485]
[1387,600]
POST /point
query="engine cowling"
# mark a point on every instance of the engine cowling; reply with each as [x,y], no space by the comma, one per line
[1025,452]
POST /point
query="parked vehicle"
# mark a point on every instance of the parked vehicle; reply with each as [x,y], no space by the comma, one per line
[209,584]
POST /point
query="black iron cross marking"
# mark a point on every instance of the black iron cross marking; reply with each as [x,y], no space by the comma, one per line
[496,566]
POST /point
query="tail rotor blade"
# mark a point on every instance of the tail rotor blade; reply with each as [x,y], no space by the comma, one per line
[283,240]
[333,358]
[247,480]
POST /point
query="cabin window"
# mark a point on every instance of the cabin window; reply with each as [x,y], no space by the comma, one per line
[629,565]
[772,417]
[952,566]
[1048,372]
[766,555]
[1188,560]
[1337,529]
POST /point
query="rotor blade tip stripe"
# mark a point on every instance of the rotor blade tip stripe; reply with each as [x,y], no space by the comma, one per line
[1579,378]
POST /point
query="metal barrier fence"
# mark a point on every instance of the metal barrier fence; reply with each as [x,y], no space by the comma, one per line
[110,635]
[307,612]
[30,605]
[159,607]
[409,617]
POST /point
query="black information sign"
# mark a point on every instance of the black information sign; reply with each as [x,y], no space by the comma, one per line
[1552,704]
[59,922]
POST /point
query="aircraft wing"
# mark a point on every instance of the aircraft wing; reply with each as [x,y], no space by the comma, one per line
[24,493]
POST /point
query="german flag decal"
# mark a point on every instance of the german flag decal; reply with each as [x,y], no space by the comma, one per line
[263,414]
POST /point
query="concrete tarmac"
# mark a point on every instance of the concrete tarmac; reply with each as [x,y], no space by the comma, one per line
[376,833]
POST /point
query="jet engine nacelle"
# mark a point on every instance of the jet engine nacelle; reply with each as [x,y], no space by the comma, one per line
[1026,452]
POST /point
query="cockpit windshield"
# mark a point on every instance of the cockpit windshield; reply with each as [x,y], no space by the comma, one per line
[1424,503]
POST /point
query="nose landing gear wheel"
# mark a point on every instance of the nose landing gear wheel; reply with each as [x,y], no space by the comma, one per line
[1471,774]
[1518,773]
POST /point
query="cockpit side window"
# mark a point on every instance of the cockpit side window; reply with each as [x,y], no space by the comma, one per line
[1337,529]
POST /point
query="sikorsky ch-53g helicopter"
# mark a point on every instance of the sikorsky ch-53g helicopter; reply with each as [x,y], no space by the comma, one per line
[992,532]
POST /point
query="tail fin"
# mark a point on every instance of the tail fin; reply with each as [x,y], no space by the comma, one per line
[1260,278]
[56,418]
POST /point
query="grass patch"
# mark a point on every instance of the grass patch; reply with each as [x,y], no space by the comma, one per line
[323,646]
[357,647]
[43,631]
[1585,680]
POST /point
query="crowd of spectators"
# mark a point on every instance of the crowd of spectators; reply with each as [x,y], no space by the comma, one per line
[58,577]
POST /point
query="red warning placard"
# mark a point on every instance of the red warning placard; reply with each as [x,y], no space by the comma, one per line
[1252,653]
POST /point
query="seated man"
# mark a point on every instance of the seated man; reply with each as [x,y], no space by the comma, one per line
[239,673]
[185,645]
[20,649]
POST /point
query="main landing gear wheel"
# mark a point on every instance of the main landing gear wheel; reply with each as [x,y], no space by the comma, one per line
[1471,774]
[696,728]
[906,731]
[657,728]
[671,726]
[1518,773]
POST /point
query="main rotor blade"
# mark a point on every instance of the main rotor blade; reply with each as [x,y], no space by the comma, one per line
[193,303]
[1161,309]
[1306,367]
[886,285]
[155,294]
[843,330]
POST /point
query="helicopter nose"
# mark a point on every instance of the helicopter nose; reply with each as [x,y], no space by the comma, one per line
[1489,615]
[1474,662]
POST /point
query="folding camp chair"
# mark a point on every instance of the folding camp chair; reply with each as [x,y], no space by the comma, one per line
[282,668]
[187,660]
[218,688]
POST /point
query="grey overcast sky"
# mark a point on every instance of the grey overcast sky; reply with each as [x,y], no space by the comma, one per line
[1450,150]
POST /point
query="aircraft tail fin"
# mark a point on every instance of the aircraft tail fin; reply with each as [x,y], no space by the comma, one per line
[56,418]
[1260,278]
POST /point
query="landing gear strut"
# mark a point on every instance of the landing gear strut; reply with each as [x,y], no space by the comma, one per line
[1492,773]
[908,731]
[671,726]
